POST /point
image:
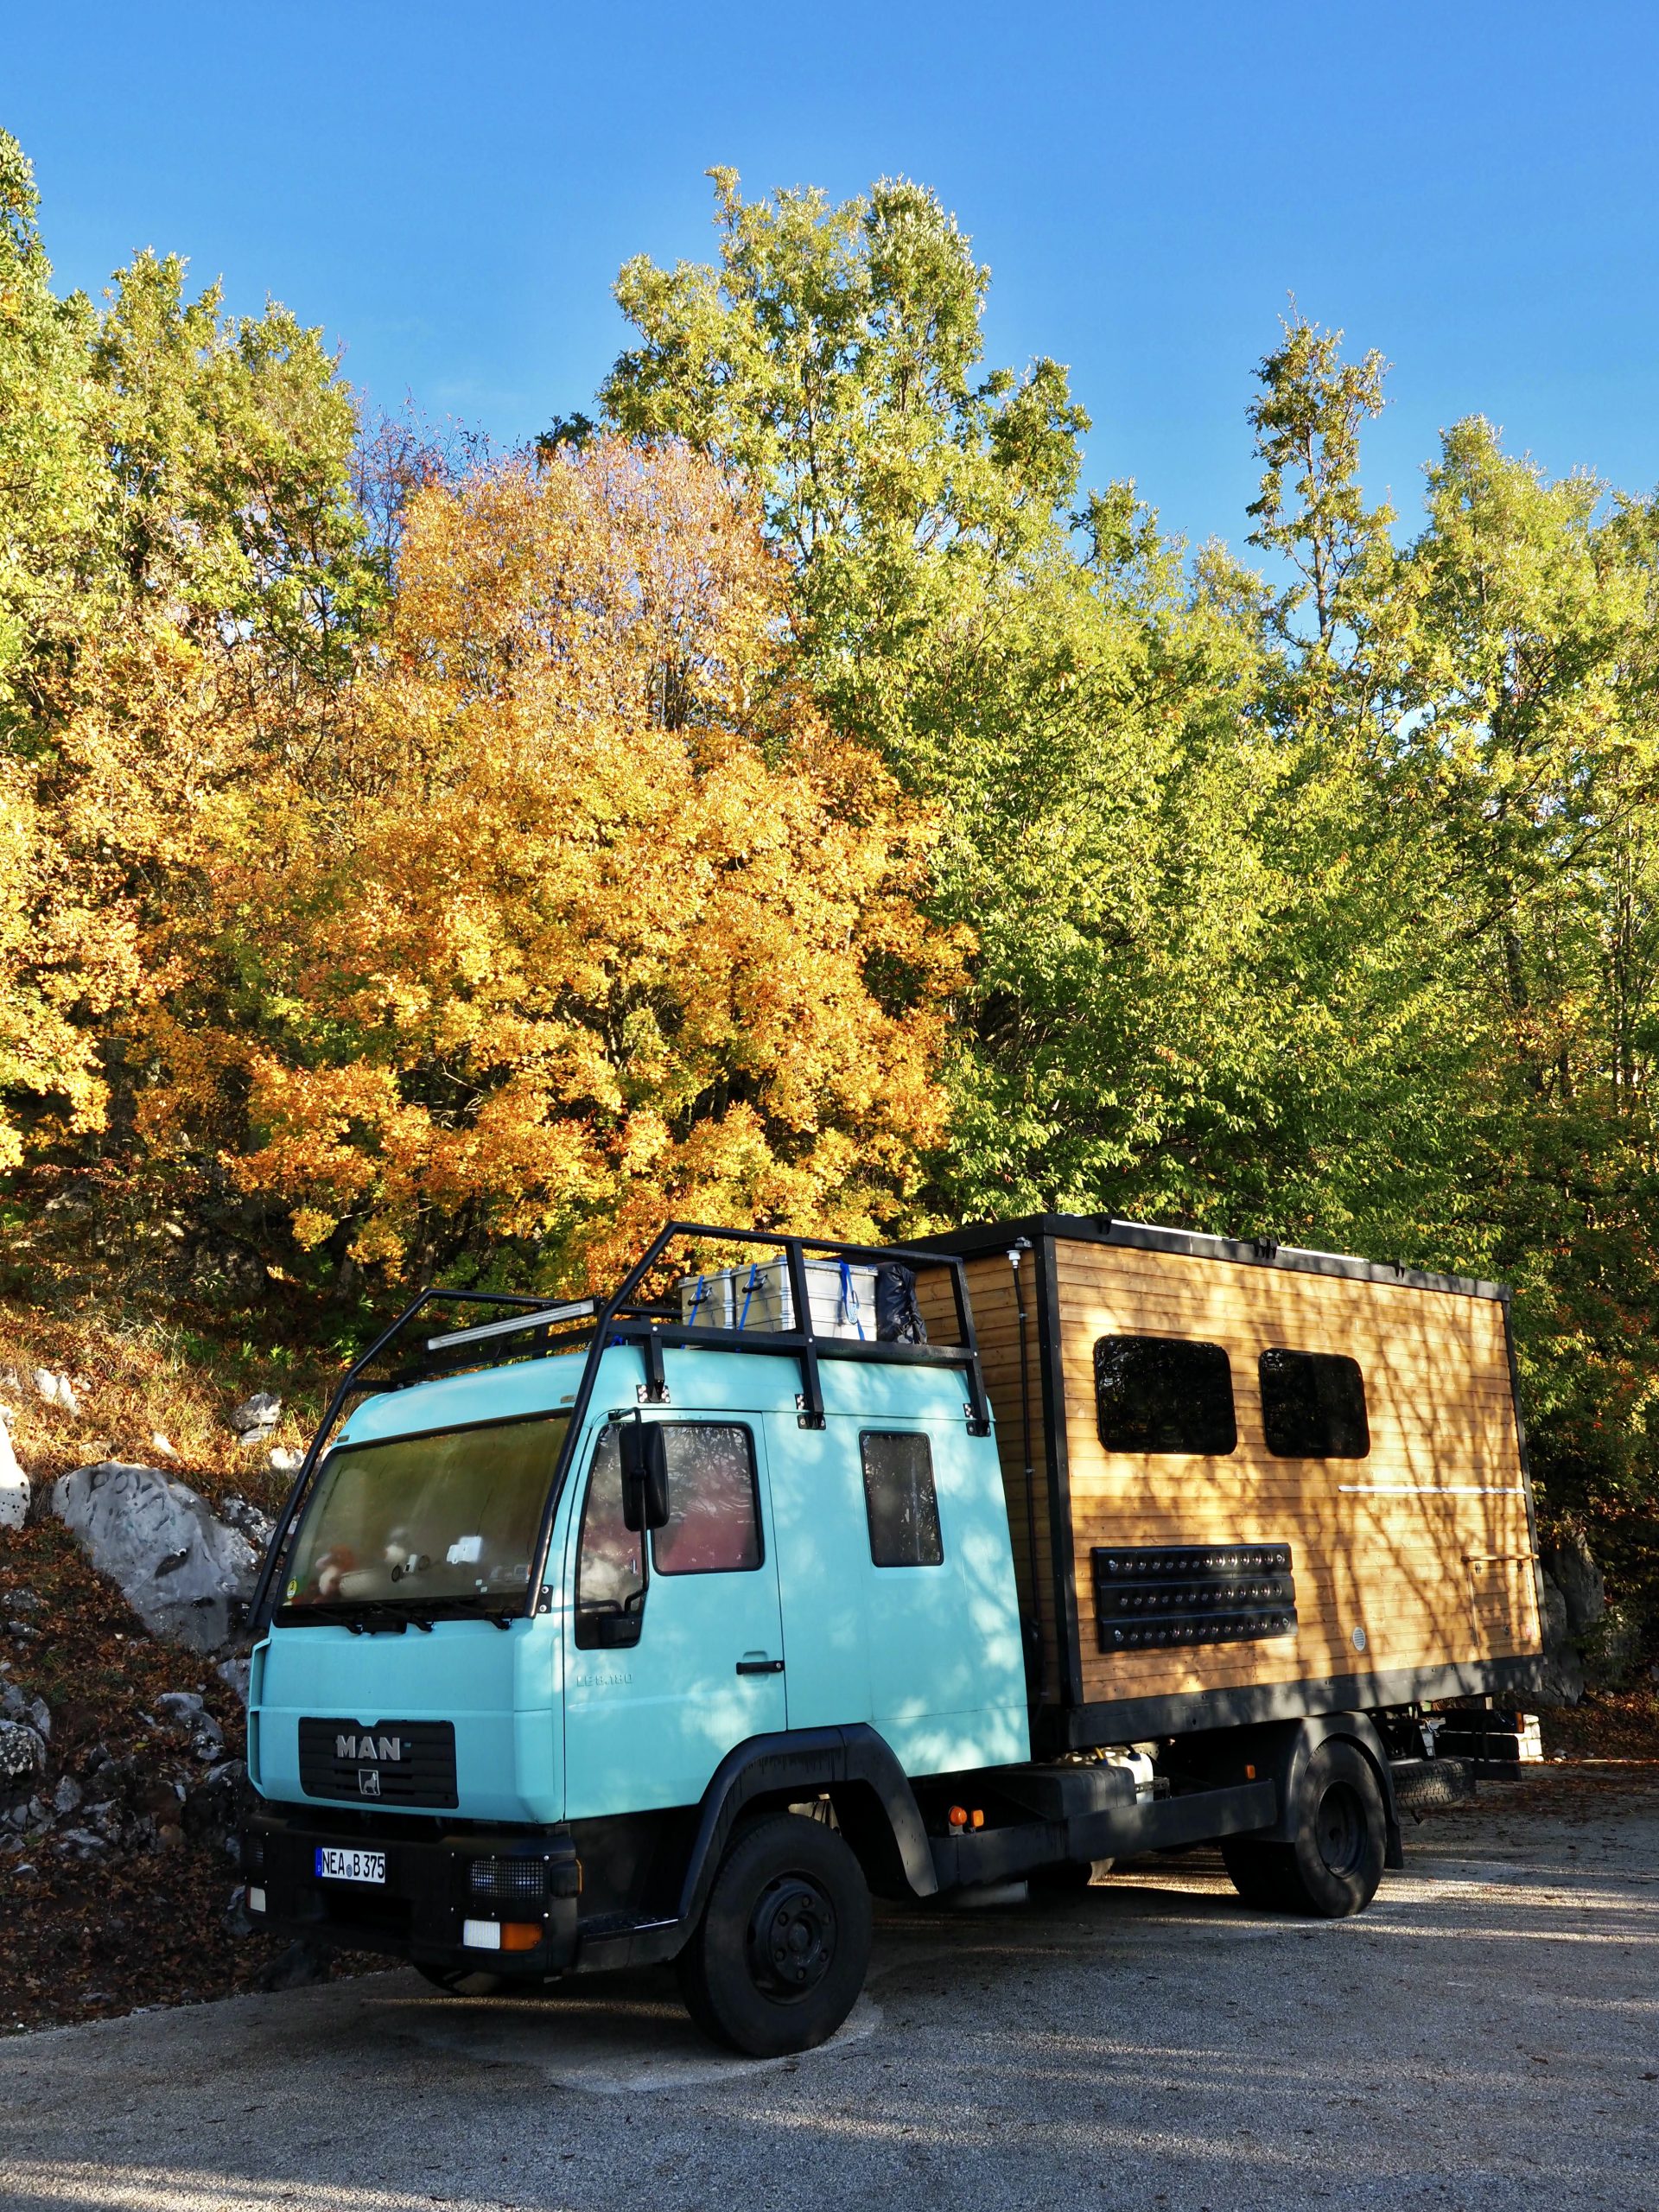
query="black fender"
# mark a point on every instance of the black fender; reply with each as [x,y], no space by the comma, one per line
[1282,1750]
[873,1801]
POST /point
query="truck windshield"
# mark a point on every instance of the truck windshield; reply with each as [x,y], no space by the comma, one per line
[444,1523]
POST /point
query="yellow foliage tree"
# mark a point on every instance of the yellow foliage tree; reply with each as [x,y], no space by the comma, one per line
[593,924]
[64,956]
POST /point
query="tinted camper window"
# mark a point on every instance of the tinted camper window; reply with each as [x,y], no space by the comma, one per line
[1164,1394]
[900,1500]
[1313,1406]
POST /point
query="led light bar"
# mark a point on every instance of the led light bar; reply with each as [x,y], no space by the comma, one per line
[576,1311]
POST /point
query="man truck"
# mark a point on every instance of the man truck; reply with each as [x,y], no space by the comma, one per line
[677,1625]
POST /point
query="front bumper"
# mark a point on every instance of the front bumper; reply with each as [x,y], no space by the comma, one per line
[437,1880]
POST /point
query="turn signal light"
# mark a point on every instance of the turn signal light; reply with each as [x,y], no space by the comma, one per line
[519,1935]
[957,1816]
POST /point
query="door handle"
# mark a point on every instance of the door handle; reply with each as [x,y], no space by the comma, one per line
[759,1665]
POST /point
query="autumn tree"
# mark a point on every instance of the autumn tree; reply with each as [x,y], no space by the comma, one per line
[63,962]
[601,941]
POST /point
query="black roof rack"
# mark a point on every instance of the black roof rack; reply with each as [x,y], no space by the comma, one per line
[628,1315]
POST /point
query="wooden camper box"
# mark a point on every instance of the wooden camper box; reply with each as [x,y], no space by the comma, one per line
[1177,1590]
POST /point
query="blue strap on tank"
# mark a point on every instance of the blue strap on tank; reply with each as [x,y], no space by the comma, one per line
[849,1299]
[697,1297]
[748,1291]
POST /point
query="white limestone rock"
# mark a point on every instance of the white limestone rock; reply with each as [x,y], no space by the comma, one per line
[255,1418]
[56,1389]
[16,1490]
[23,1758]
[178,1567]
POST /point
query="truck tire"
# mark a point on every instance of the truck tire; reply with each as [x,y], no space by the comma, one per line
[1332,1863]
[1256,1871]
[779,1956]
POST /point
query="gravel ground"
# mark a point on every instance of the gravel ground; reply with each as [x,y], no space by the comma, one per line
[1486,2034]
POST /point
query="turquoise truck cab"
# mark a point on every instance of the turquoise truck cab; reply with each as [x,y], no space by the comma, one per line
[755,1610]
[671,1626]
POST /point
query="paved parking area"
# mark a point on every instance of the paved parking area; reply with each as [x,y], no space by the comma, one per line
[1486,2034]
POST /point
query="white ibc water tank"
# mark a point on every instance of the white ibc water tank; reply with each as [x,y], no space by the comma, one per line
[760,1298]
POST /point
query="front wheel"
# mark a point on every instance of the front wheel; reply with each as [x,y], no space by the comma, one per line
[779,1956]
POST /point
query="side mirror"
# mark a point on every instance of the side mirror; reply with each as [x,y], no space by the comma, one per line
[644,1474]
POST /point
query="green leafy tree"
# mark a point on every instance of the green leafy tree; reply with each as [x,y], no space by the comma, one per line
[835,360]
[62,964]
[50,463]
[1533,724]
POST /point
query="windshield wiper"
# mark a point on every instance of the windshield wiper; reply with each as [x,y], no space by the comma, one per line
[457,1608]
[376,1620]
[466,1609]
[372,1616]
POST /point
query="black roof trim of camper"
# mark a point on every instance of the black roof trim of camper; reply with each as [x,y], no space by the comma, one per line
[1254,1251]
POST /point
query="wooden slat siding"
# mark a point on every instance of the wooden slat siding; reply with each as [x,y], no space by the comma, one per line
[996,1324]
[1433,1579]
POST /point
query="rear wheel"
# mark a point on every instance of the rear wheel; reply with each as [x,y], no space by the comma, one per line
[779,1956]
[1332,1863]
[1256,1871]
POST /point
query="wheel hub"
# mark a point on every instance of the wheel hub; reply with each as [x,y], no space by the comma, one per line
[792,1941]
[1340,1827]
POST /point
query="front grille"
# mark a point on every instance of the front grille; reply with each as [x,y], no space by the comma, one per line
[388,1763]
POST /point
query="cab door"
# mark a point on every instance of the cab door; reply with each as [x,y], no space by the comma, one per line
[675,1640]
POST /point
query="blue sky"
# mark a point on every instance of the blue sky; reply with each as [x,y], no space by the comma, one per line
[448,191]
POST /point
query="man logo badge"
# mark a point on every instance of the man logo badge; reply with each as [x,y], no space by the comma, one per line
[368,1781]
[368,1747]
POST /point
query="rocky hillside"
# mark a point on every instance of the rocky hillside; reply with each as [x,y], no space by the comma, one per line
[134,1491]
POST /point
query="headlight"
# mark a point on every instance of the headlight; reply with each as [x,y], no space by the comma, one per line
[509,1880]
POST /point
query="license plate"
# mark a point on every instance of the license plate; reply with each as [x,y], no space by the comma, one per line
[335,1865]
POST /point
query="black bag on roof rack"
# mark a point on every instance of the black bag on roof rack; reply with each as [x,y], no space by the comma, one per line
[897,1317]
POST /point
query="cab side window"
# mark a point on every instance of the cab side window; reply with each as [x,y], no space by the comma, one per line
[610,1565]
[901,1499]
[713,1507]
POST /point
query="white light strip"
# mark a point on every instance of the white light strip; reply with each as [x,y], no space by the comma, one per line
[583,1306]
[1425,1490]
